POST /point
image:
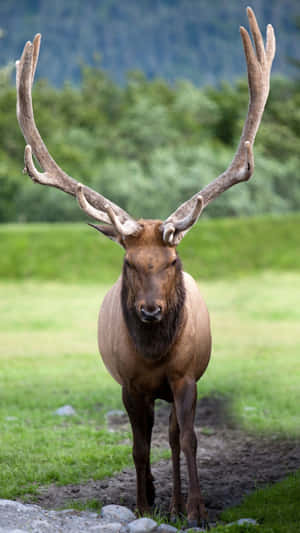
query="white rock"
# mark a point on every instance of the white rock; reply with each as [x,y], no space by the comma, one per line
[111,527]
[165,528]
[243,521]
[117,513]
[9,530]
[5,530]
[142,525]
[65,410]
[17,506]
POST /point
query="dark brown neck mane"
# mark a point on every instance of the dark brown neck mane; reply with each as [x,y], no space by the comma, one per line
[154,340]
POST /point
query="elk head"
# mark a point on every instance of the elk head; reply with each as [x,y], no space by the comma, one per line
[120,226]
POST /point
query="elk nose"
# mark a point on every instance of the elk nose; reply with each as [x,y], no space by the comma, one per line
[151,314]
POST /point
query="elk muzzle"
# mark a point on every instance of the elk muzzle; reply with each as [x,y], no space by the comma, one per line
[150,313]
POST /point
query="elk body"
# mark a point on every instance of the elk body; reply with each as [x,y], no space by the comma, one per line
[154,333]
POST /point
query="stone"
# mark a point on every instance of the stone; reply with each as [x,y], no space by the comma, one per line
[116,419]
[243,521]
[165,528]
[117,513]
[8,530]
[142,525]
[111,527]
[65,410]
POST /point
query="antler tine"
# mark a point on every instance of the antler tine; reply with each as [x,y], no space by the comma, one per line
[259,63]
[52,174]
[129,227]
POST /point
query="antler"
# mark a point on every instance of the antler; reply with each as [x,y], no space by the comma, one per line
[93,203]
[259,63]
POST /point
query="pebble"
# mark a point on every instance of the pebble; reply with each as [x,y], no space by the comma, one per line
[117,513]
[243,521]
[111,527]
[142,525]
[165,528]
[65,410]
[16,517]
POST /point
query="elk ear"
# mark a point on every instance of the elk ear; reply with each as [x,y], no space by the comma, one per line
[109,231]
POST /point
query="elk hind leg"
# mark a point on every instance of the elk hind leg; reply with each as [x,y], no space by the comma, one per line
[185,396]
[177,506]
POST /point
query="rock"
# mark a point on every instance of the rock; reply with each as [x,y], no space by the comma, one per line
[111,527]
[165,528]
[65,410]
[117,513]
[116,418]
[9,530]
[16,506]
[243,521]
[142,525]
[16,517]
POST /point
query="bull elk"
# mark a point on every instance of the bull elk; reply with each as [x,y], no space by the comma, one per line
[153,330]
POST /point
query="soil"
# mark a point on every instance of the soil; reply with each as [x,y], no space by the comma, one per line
[231,464]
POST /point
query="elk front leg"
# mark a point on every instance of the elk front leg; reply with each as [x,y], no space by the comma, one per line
[141,415]
[185,396]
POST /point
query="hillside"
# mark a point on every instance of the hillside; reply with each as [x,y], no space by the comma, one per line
[221,248]
[194,39]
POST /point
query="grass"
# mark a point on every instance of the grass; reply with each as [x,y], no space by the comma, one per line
[213,249]
[275,508]
[48,360]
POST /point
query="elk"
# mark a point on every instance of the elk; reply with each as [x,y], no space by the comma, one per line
[153,329]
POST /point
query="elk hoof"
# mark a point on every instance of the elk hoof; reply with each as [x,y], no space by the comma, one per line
[202,524]
[192,523]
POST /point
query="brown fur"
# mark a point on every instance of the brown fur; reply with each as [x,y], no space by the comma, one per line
[162,359]
[154,340]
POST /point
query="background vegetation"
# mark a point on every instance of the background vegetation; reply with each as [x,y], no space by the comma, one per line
[194,39]
[149,146]
[214,249]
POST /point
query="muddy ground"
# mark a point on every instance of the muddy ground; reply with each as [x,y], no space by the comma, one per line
[231,463]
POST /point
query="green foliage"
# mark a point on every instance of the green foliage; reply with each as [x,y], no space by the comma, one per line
[194,39]
[213,249]
[148,146]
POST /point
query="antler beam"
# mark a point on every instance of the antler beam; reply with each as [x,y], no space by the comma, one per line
[52,174]
[259,63]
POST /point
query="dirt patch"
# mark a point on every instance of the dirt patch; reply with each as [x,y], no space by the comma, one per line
[231,463]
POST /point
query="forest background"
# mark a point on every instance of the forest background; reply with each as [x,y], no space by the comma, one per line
[130,99]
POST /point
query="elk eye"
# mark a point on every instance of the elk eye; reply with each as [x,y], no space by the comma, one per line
[174,262]
[126,263]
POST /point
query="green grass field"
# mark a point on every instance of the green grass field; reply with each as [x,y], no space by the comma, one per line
[214,249]
[49,358]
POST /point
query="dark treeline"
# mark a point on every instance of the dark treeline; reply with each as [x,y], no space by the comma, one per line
[148,146]
[192,39]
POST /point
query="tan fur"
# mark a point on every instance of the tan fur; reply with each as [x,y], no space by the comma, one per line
[189,356]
